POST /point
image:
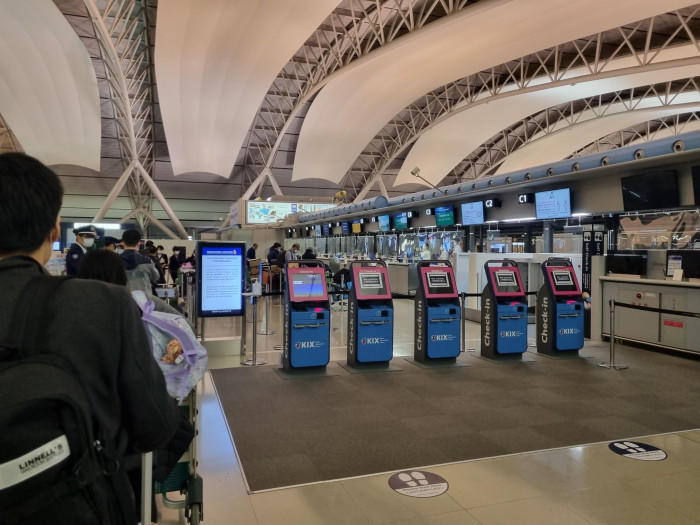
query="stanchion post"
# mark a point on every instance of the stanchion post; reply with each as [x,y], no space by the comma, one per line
[612,364]
[146,486]
[464,321]
[244,336]
[254,361]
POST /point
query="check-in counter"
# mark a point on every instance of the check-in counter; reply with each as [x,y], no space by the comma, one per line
[666,330]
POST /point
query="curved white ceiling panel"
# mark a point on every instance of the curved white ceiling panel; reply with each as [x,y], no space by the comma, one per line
[441,148]
[48,88]
[561,144]
[214,62]
[364,96]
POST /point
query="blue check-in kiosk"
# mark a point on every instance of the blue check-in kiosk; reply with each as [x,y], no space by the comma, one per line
[307,326]
[559,309]
[370,314]
[503,311]
[438,312]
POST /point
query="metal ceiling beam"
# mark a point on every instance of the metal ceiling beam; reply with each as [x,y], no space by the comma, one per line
[8,141]
[371,25]
[122,33]
[524,75]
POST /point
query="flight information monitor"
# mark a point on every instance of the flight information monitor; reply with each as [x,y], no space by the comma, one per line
[356,226]
[220,279]
[472,213]
[384,223]
[553,204]
[307,284]
[444,216]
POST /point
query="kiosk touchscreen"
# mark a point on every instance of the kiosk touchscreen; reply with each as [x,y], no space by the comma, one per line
[559,309]
[438,312]
[370,314]
[503,311]
[306,338]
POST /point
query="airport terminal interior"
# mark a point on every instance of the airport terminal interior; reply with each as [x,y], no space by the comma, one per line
[441,257]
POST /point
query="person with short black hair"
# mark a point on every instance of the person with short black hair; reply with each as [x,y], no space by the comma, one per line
[174,264]
[250,254]
[111,243]
[309,254]
[96,331]
[140,270]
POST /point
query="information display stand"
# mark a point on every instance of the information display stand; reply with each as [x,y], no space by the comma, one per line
[220,279]
[438,312]
[307,328]
[559,309]
[370,314]
[503,311]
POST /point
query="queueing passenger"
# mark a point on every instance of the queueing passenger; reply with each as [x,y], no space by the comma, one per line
[309,254]
[140,271]
[111,244]
[250,254]
[174,264]
[273,254]
[101,339]
[84,240]
[152,254]
[291,254]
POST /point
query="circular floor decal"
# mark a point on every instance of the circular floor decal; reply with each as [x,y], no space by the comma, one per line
[635,450]
[418,484]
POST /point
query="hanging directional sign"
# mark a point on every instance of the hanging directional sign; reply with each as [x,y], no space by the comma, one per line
[636,450]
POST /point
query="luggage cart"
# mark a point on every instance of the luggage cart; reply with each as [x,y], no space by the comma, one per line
[184,477]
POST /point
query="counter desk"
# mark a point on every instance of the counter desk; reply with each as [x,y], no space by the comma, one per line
[667,330]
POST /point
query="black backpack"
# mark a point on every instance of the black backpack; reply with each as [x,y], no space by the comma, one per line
[53,468]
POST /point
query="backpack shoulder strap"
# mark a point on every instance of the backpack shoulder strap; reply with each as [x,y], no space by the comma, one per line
[32,318]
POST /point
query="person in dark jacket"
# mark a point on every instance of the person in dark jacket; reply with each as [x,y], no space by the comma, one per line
[274,253]
[140,270]
[309,254]
[84,240]
[250,254]
[94,326]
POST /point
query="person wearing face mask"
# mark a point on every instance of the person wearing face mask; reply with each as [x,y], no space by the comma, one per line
[291,255]
[110,244]
[84,240]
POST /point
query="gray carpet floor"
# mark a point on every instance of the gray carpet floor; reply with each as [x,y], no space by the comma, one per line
[290,430]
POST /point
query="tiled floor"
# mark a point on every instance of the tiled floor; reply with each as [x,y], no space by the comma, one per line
[572,486]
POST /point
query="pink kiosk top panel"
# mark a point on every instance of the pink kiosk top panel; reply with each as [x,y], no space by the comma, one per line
[557,279]
[371,282]
[307,284]
[498,281]
[433,281]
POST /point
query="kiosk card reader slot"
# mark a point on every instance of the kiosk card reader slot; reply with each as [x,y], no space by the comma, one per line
[307,323]
[438,312]
[559,309]
[503,311]
[370,314]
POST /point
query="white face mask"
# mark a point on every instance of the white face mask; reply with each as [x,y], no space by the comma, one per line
[88,242]
[120,251]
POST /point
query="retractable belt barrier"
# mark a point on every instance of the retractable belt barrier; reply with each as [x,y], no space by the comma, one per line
[659,310]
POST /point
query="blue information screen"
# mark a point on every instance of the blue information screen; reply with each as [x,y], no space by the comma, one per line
[326,229]
[221,278]
[401,221]
[384,223]
[472,213]
[553,204]
[444,216]
[317,230]
[345,227]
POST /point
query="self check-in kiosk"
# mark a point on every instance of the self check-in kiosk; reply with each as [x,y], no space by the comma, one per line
[559,309]
[370,314]
[438,312]
[306,337]
[503,311]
